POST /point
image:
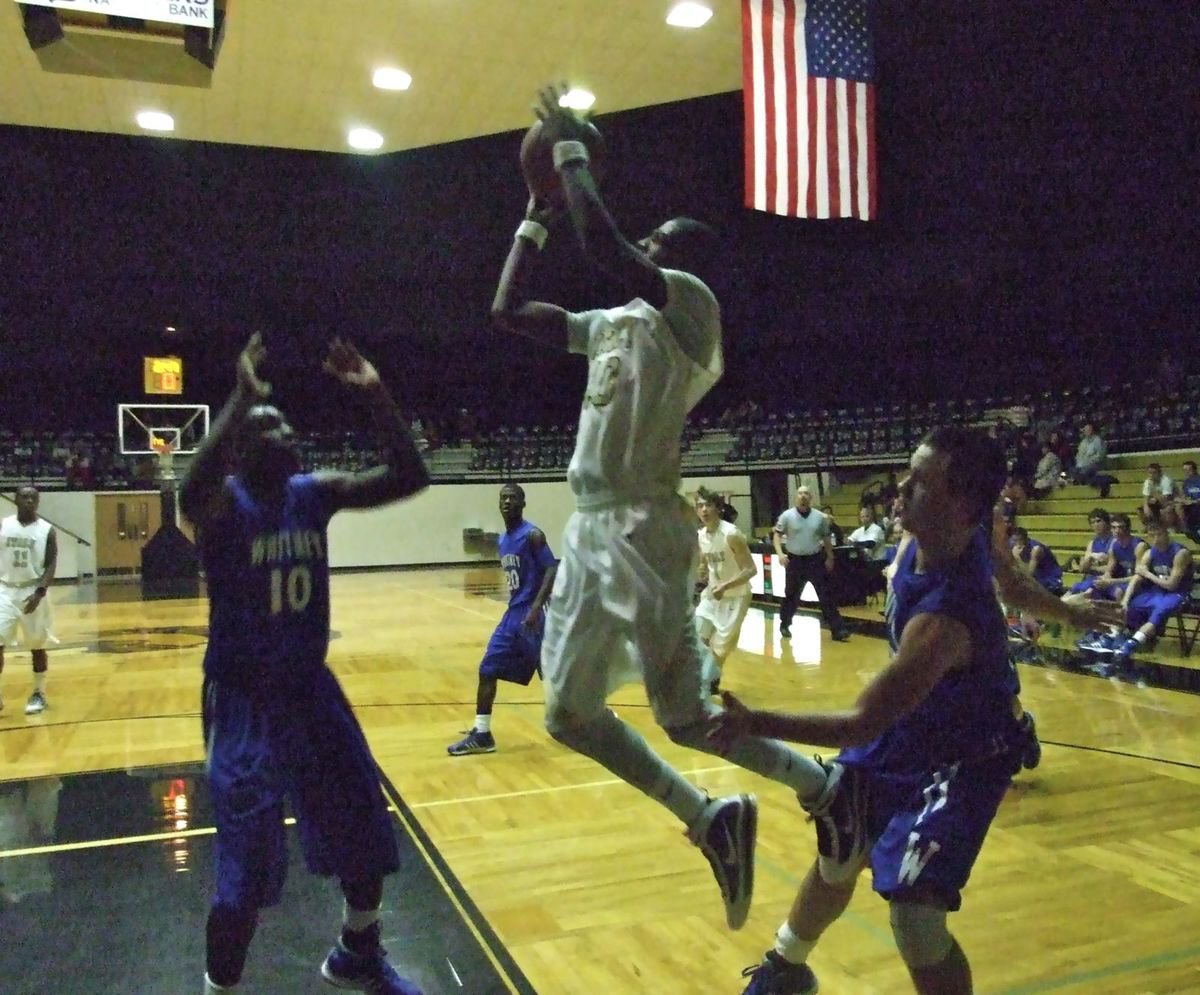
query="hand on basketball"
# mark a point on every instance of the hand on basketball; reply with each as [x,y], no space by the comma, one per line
[726,727]
[345,363]
[559,124]
[247,368]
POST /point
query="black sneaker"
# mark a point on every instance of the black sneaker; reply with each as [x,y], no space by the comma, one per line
[725,833]
[839,812]
[776,976]
[785,631]
[1031,753]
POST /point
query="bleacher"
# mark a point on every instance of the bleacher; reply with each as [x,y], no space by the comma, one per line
[1060,520]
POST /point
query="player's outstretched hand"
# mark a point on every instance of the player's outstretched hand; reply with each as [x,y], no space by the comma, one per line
[730,725]
[1089,614]
[559,124]
[247,367]
[345,363]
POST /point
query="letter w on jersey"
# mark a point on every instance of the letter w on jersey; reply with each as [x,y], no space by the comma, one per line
[916,855]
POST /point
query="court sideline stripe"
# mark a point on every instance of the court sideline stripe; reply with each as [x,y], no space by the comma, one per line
[471,915]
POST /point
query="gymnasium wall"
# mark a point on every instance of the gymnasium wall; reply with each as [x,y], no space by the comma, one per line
[426,529]
[429,528]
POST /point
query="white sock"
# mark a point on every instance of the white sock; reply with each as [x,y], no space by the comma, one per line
[211,988]
[790,947]
[1140,637]
[356,920]
[39,682]
[483,723]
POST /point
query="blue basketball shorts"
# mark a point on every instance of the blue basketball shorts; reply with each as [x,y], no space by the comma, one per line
[513,653]
[307,747]
[927,831]
[1085,585]
[1156,607]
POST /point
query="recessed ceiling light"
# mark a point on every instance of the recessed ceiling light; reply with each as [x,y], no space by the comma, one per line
[688,15]
[392,79]
[577,100]
[155,121]
[364,139]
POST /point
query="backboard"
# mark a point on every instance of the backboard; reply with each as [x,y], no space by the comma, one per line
[143,428]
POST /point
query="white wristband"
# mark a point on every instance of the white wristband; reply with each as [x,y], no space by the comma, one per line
[533,231]
[565,152]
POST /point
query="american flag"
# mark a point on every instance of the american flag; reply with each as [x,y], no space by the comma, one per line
[809,95]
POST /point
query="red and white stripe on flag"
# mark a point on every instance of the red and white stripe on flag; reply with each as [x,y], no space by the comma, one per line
[810,141]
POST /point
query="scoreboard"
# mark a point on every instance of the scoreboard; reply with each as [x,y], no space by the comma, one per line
[162,374]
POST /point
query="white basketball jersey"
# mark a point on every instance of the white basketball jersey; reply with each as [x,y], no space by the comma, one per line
[641,386]
[718,558]
[22,551]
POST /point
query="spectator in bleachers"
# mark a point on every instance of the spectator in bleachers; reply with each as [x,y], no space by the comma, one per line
[888,494]
[1093,564]
[1025,462]
[1189,500]
[1037,559]
[1158,497]
[1161,586]
[1012,498]
[1171,377]
[836,532]
[1090,456]
[1049,470]
[869,537]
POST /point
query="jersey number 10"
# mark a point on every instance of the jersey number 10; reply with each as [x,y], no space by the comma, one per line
[296,590]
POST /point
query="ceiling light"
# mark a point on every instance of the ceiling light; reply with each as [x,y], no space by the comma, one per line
[392,79]
[364,139]
[155,121]
[577,100]
[689,15]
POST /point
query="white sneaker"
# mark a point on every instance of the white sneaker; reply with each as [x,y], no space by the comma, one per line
[36,703]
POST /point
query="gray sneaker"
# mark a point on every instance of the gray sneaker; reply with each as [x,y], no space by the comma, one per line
[36,703]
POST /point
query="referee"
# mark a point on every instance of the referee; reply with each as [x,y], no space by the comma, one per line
[803,546]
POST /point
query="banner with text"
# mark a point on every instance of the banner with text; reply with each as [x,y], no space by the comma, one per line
[198,13]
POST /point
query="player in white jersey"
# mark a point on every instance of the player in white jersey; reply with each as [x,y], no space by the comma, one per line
[726,567]
[28,553]
[621,606]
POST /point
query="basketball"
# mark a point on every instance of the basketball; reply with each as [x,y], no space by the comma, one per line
[537,161]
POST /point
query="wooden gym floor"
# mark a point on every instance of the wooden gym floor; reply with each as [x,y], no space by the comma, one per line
[532,869]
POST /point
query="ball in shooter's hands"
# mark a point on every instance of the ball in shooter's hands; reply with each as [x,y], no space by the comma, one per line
[537,161]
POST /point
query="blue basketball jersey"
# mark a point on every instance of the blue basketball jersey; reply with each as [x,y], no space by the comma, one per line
[1099,547]
[1124,555]
[968,714]
[268,586]
[523,566]
[1048,573]
[1190,488]
[1162,561]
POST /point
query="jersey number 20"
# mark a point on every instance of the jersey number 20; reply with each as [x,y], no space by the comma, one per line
[296,590]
